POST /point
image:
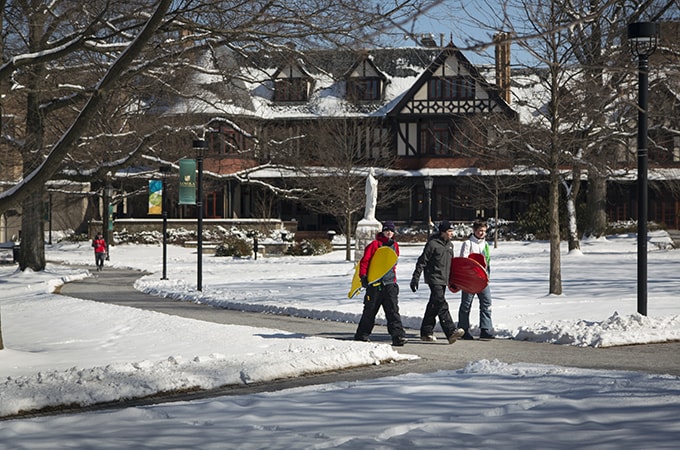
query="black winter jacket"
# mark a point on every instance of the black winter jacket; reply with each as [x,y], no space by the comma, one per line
[435,261]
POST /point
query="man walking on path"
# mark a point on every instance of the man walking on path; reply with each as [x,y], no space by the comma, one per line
[435,262]
[477,244]
[383,293]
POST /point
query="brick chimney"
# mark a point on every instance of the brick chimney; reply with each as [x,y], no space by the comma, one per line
[502,42]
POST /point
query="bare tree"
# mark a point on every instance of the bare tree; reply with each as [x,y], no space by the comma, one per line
[549,141]
[601,53]
[578,46]
[334,164]
[76,70]
[495,159]
[49,36]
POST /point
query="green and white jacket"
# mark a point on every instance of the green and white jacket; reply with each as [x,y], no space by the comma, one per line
[474,245]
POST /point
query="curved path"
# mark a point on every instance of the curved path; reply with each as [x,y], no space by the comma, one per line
[115,287]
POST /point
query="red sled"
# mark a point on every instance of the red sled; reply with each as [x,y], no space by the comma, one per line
[468,275]
[480,258]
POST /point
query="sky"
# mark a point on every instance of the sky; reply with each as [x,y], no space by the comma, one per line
[468,24]
[61,350]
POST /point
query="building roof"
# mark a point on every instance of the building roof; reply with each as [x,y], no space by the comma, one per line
[243,85]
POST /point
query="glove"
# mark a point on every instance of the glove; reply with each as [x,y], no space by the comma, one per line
[414,284]
[364,282]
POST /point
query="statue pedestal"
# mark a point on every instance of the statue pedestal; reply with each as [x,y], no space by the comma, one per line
[366,231]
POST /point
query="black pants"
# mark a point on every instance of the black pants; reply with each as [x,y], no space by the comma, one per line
[99,259]
[437,306]
[376,296]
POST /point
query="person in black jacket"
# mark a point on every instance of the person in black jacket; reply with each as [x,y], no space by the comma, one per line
[435,262]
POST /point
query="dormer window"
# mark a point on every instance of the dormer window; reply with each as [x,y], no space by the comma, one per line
[292,84]
[364,81]
[451,88]
[291,90]
[364,89]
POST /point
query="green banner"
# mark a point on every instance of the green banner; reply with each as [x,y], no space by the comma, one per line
[187,181]
[155,197]
[110,217]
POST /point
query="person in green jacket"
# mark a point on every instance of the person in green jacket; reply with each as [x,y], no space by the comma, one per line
[477,244]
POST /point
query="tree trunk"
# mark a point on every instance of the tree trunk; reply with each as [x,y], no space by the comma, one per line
[2,345]
[32,250]
[348,237]
[597,205]
[572,196]
[496,207]
[555,260]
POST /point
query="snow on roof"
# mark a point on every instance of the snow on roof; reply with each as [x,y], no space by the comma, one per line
[231,85]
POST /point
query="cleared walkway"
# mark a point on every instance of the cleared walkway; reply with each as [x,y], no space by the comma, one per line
[115,286]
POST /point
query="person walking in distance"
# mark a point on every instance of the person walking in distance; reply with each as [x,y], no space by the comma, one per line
[384,292]
[99,245]
[435,263]
[476,243]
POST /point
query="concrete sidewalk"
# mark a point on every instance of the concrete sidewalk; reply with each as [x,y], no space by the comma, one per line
[115,286]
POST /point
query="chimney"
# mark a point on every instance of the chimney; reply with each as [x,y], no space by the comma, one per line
[427,40]
[502,41]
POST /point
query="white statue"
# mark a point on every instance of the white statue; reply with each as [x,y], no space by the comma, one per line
[371,195]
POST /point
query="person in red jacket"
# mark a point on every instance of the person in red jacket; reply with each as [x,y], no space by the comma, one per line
[99,245]
[384,292]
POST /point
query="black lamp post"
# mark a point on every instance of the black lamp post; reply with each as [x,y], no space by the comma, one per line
[108,226]
[49,216]
[164,170]
[199,147]
[642,38]
[428,181]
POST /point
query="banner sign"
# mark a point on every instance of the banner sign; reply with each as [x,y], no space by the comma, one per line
[155,197]
[110,217]
[187,181]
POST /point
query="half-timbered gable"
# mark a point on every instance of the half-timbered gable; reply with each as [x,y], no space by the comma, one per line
[292,83]
[364,81]
[432,118]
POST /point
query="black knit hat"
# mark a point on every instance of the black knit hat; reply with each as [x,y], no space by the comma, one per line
[389,226]
[445,225]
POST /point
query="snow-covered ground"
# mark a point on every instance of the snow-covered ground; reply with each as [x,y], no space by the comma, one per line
[63,350]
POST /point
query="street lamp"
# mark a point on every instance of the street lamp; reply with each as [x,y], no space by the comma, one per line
[164,170]
[428,181]
[642,38]
[49,216]
[108,218]
[199,147]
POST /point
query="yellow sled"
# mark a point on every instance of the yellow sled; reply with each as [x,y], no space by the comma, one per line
[383,260]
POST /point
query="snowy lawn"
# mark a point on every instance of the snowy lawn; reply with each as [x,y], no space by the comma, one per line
[63,350]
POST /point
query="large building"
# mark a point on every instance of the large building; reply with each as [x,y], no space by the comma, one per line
[424,118]
[416,114]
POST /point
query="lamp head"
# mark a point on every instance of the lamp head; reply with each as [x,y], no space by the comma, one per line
[199,144]
[428,182]
[642,38]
